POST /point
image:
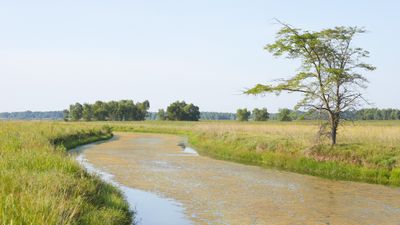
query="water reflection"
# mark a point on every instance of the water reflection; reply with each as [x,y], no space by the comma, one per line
[150,209]
[187,149]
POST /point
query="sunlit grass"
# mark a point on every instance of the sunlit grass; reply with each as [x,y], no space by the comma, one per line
[41,184]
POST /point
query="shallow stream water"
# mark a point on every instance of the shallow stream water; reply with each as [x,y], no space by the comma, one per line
[168,185]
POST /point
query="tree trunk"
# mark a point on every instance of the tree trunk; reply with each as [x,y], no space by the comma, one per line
[333,135]
[334,127]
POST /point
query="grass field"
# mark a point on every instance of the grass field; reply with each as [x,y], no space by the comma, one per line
[366,151]
[41,184]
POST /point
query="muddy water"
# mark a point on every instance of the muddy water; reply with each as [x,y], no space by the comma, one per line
[144,204]
[219,192]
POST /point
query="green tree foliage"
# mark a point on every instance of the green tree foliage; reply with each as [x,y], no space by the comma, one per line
[311,114]
[330,77]
[114,111]
[99,111]
[123,110]
[377,114]
[242,114]
[142,109]
[66,115]
[285,115]
[182,111]
[395,115]
[75,111]
[260,114]
[161,114]
[87,113]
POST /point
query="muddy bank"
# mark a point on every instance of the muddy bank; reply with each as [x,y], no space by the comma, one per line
[219,192]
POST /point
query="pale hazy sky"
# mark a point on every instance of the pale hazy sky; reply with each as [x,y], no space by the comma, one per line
[53,53]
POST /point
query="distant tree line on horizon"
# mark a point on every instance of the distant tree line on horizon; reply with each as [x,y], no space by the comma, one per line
[283,114]
[256,114]
[203,116]
[30,115]
[123,110]
[127,110]
[362,114]
[217,116]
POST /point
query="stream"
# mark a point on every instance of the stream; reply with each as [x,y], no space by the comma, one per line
[167,184]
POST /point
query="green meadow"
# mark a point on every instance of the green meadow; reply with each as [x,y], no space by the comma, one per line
[41,184]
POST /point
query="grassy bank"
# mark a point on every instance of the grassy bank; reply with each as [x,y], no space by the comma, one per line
[367,151]
[40,184]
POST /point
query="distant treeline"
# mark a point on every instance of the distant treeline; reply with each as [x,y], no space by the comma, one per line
[362,114]
[104,114]
[203,116]
[374,114]
[29,115]
[123,110]
[217,116]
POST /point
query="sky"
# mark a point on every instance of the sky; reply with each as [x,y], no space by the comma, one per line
[54,53]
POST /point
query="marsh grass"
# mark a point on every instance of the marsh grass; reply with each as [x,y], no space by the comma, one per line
[367,151]
[41,184]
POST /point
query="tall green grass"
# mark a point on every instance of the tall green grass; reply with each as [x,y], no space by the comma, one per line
[243,151]
[41,184]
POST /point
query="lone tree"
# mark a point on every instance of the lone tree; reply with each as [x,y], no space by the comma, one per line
[87,112]
[260,114]
[182,111]
[330,76]
[243,114]
[75,111]
[284,115]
